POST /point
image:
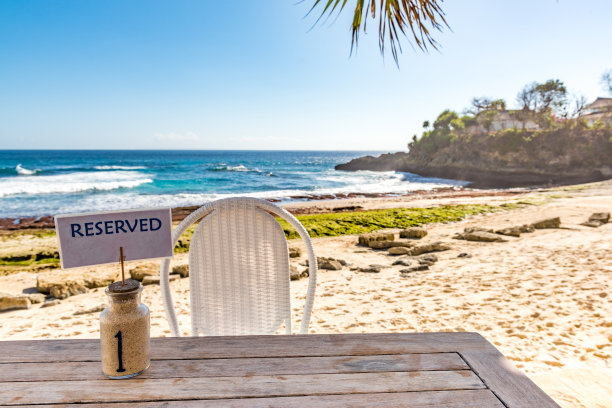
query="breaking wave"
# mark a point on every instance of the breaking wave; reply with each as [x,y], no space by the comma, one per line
[119,167]
[71,183]
[238,168]
[22,171]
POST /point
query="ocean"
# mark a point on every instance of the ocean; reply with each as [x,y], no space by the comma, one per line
[51,182]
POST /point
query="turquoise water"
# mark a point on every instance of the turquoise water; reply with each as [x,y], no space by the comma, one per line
[51,182]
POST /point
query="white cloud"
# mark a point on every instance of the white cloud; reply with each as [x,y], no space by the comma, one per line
[177,137]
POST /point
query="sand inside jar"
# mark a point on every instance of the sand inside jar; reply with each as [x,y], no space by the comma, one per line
[127,323]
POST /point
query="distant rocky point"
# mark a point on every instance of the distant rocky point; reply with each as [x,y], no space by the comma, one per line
[483,175]
[493,155]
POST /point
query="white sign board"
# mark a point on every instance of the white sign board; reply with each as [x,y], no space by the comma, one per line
[95,238]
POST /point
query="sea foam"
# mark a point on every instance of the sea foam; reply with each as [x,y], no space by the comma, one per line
[114,167]
[22,171]
[71,183]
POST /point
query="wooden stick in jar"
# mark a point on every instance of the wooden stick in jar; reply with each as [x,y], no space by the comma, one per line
[121,258]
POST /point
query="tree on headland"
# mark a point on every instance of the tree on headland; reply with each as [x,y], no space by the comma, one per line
[606,81]
[485,104]
[415,19]
[551,95]
[579,105]
[528,97]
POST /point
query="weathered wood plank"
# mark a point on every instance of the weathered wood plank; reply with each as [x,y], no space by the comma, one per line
[511,386]
[427,399]
[63,371]
[58,392]
[310,345]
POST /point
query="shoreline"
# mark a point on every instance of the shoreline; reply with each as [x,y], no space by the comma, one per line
[300,204]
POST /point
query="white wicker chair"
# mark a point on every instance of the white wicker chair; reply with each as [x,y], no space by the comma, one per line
[239,270]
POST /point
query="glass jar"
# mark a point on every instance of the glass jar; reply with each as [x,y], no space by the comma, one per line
[124,331]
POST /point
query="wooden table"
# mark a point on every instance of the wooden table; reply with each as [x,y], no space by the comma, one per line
[353,370]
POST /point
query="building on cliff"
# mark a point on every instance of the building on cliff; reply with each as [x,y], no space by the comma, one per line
[496,120]
[600,110]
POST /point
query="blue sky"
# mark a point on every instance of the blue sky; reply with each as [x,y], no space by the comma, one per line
[249,74]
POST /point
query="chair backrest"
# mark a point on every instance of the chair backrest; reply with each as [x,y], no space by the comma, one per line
[239,270]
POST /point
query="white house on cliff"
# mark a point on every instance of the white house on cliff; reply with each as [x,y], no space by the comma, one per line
[601,110]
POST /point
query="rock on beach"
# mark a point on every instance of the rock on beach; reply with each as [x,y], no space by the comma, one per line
[510,231]
[427,259]
[154,280]
[326,263]
[61,284]
[597,220]
[295,252]
[403,262]
[365,239]
[182,270]
[404,273]
[548,223]
[67,289]
[389,244]
[371,269]
[417,233]
[141,271]
[603,217]
[11,302]
[399,251]
[479,236]
[433,247]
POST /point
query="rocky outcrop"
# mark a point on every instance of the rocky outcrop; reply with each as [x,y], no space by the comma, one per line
[547,223]
[403,262]
[427,259]
[603,217]
[11,302]
[405,273]
[327,263]
[416,233]
[389,244]
[526,228]
[61,285]
[51,302]
[67,289]
[479,236]
[139,272]
[399,251]
[433,247]
[295,252]
[597,220]
[36,297]
[371,269]
[154,279]
[366,239]
[510,231]
[510,158]
[182,270]
[294,273]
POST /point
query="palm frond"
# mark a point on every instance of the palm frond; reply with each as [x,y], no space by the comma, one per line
[414,19]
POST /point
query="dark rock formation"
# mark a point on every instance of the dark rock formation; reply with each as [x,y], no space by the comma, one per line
[510,158]
[480,236]
[547,223]
[417,233]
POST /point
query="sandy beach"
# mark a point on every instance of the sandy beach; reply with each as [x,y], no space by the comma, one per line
[543,298]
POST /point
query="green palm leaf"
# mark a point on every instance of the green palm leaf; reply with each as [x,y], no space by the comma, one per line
[415,19]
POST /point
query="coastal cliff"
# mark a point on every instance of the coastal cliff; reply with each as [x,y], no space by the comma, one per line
[573,153]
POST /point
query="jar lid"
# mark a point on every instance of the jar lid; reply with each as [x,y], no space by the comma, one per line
[118,287]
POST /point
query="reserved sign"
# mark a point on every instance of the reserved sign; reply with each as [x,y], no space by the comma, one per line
[95,238]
